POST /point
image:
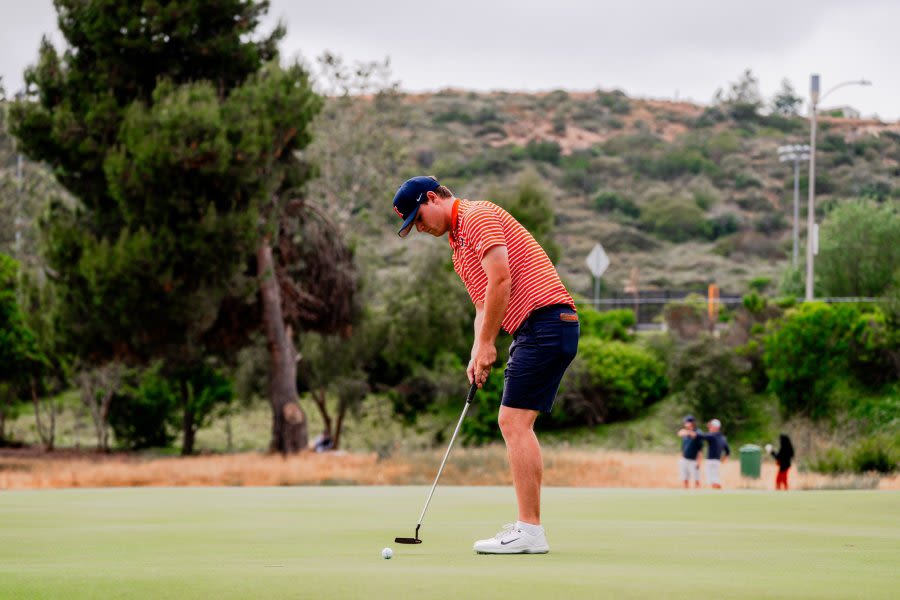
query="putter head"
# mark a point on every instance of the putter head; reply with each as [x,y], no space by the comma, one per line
[403,540]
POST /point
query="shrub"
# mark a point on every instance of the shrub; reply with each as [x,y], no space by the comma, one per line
[491,129]
[770,223]
[139,415]
[711,115]
[743,181]
[805,353]
[754,203]
[874,349]
[713,380]
[544,151]
[559,123]
[616,101]
[824,184]
[674,219]
[626,239]
[758,285]
[876,190]
[859,252]
[706,198]
[608,325]
[610,380]
[581,172]
[721,144]
[783,123]
[674,163]
[832,461]
[631,145]
[878,453]
[454,114]
[614,202]
[722,225]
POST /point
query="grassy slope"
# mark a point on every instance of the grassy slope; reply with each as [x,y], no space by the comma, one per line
[325,542]
[468,138]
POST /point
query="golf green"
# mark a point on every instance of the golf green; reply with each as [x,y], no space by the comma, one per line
[325,542]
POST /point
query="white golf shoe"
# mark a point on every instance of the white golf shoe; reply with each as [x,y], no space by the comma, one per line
[513,541]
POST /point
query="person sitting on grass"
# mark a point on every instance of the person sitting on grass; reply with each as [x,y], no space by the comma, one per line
[783,457]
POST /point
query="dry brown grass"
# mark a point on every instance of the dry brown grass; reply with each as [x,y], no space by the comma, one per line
[477,466]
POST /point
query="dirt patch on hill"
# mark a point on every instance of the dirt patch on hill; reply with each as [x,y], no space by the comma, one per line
[530,126]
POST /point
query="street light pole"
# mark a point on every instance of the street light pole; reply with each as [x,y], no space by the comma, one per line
[795,153]
[796,220]
[811,244]
[811,184]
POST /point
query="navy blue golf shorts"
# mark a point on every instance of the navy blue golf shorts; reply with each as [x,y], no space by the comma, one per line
[542,348]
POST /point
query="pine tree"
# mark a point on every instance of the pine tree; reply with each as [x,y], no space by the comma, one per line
[177,131]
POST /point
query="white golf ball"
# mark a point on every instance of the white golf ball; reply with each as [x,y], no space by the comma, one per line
[387,553]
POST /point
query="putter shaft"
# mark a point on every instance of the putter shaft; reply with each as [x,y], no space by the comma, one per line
[469,399]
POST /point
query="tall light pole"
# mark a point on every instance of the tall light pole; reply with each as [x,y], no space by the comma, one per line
[795,153]
[811,237]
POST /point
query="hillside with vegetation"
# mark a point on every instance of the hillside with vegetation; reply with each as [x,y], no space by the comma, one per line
[686,194]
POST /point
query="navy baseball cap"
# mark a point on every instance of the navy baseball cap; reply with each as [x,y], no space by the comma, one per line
[411,195]
[689,419]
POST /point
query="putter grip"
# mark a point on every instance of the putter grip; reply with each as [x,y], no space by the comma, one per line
[471,395]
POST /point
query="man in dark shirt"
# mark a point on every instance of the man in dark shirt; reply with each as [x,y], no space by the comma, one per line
[688,464]
[717,452]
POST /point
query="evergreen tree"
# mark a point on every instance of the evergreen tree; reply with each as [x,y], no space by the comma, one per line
[178,133]
[786,102]
[743,99]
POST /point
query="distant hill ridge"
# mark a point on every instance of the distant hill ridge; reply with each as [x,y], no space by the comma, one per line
[686,194]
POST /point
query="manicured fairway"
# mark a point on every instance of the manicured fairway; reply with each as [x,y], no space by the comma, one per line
[326,543]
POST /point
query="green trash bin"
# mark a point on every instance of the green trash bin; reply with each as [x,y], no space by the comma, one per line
[751,460]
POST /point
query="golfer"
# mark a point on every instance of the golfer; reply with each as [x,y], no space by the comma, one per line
[513,285]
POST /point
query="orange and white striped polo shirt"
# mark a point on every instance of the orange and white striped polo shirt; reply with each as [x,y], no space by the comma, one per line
[478,227]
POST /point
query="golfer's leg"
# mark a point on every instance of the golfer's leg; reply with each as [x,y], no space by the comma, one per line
[525,461]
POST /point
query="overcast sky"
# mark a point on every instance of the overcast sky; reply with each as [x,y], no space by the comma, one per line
[683,49]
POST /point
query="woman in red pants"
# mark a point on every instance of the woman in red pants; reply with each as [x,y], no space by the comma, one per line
[783,457]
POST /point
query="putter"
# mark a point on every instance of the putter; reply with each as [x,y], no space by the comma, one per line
[416,540]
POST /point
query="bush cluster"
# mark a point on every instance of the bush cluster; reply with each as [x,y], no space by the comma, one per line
[879,454]
[816,345]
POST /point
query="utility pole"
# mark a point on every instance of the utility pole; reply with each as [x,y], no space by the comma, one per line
[811,206]
[812,242]
[18,221]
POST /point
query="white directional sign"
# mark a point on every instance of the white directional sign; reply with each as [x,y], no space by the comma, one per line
[597,261]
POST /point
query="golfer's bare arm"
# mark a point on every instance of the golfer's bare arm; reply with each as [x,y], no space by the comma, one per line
[489,314]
